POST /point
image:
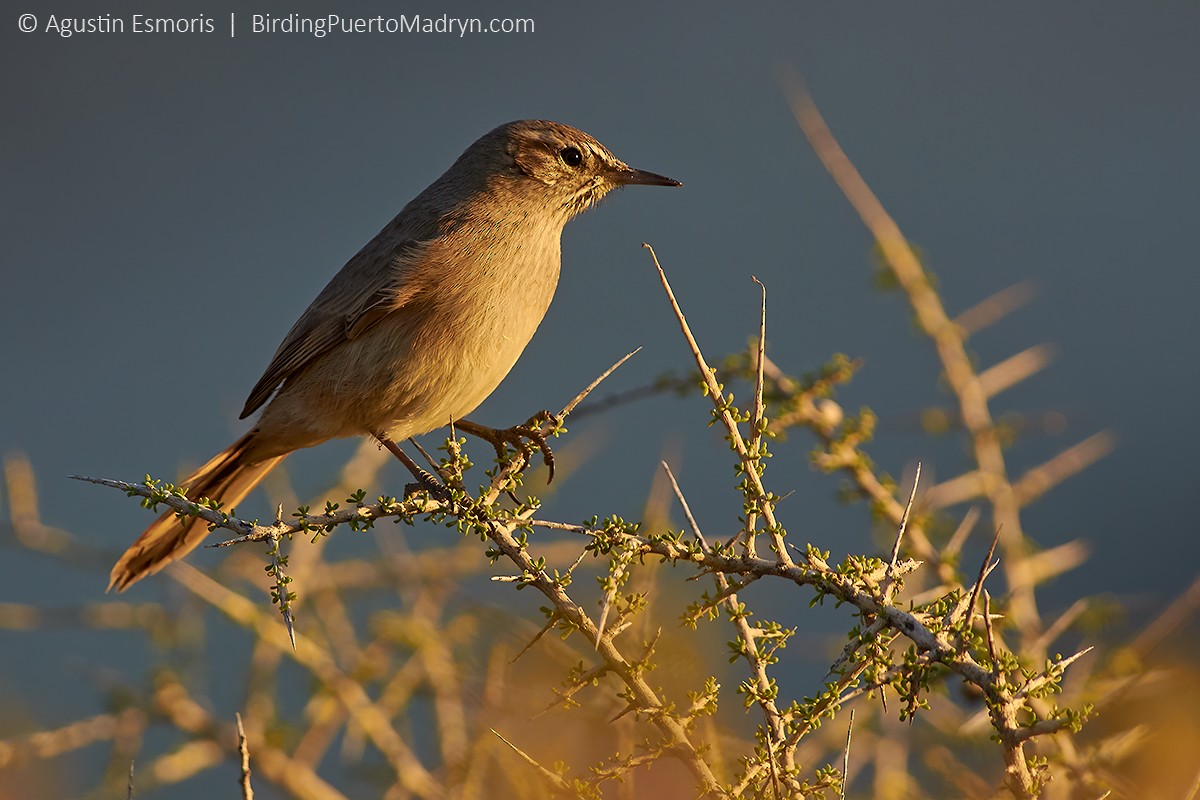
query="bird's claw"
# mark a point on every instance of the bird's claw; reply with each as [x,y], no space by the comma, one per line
[522,437]
[426,482]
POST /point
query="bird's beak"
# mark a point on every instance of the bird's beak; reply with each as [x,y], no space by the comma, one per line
[627,177]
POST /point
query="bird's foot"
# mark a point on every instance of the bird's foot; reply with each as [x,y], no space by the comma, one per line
[426,482]
[523,437]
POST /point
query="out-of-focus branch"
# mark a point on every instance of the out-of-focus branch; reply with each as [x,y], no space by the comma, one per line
[948,340]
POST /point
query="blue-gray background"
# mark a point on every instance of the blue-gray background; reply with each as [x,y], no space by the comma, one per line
[171,203]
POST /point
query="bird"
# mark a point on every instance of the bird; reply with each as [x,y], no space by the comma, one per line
[420,325]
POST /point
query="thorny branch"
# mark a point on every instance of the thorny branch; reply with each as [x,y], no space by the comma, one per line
[940,628]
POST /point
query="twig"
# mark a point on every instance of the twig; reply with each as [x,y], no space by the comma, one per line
[891,571]
[251,532]
[569,407]
[964,529]
[985,568]
[995,308]
[1044,477]
[377,726]
[565,695]
[244,752]
[553,780]
[1165,624]
[947,337]
[615,577]
[846,755]
[764,503]
[1195,790]
[1015,369]
[774,730]
[757,414]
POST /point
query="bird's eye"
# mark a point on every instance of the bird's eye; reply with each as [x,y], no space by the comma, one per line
[571,156]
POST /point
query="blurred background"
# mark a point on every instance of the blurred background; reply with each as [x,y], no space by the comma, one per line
[172,202]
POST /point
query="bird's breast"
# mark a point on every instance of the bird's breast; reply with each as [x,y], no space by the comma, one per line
[471,327]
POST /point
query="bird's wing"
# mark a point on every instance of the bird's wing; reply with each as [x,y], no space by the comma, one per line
[372,285]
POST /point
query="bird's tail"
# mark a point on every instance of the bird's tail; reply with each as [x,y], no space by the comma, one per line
[227,477]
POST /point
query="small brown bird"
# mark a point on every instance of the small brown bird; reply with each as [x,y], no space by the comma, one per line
[421,325]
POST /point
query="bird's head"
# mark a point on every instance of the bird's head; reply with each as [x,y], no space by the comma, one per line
[556,164]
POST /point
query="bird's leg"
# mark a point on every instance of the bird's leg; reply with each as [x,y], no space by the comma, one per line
[517,436]
[425,479]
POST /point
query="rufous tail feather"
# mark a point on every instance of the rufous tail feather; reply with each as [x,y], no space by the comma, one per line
[226,477]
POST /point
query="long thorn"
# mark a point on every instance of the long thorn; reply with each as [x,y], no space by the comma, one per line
[984,569]
[687,511]
[846,754]
[569,407]
[904,522]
